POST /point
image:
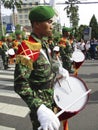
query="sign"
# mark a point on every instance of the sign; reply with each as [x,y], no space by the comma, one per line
[87,33]
[10,28]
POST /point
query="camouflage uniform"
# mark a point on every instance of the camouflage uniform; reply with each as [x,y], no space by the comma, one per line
[17,40]
[65,52]
[15,44]
[4,55]
[34,82]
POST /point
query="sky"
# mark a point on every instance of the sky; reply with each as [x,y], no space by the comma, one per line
[86,11]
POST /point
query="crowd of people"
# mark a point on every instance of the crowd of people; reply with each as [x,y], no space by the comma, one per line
[9,47]
[88,47]
[37,66]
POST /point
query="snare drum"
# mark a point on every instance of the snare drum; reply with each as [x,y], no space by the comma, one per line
[66,92]
[11,53]
[78,58]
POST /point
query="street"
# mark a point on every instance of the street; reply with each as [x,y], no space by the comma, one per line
[87,119]
[14,114]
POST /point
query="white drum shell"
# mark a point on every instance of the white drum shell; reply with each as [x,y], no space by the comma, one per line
[66,92]
[78,56]
[11,52]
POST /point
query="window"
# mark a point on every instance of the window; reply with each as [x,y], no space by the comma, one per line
[20,16]
[26,16]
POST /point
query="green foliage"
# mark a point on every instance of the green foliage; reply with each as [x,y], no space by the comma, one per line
[80,32]
[18,27]
[11,4]
[56,32]
[94,25]
[72,12]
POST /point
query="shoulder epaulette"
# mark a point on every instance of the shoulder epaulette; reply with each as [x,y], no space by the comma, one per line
[27,53]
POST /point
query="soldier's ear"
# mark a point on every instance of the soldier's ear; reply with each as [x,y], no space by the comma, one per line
[36,24]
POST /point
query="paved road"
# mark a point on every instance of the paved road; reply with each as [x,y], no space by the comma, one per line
[10,102]
[87,119]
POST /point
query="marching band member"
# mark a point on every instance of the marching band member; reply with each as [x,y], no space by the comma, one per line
[11,52]
[4,54]
[66,49]
[34,73]
[18,39]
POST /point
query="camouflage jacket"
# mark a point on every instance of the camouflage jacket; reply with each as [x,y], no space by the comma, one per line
[4,49]
[34,76]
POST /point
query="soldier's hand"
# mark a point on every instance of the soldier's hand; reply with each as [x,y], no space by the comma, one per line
[63,72]
[47,118]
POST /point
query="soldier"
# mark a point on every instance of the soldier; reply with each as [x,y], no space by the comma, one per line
[51,45]
[4,49]
[34,75]
[0,47]
[11,49]
[17,40]
[66,49]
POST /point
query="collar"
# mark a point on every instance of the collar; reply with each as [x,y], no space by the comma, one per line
[35,37]
[43,43]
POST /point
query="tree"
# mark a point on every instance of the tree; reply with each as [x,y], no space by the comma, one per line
[12,4]
[56,32]
[94,25]
[72,12]
[18,27]
[80,32]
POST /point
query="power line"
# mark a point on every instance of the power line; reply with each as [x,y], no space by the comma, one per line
[77,3]
[66,3]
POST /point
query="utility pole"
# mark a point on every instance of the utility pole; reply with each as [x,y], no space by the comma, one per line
[1,26]
[0,20]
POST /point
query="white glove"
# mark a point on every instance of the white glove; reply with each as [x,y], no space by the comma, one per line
[47,119]
[6,52]
[63,72]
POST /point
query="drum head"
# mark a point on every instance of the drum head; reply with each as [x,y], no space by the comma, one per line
[11,52]
[78,56]
[66,92]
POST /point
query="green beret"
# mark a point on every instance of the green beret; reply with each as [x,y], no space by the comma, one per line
[3,37]
[41,13]
[18,32]
[66,29]
[72,33]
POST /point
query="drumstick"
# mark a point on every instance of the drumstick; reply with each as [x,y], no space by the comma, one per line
[59,61]
[62,68]
[70,105]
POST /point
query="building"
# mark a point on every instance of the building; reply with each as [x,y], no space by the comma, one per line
[6,19]
[24,11]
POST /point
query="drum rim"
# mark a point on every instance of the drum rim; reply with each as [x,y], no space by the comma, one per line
[12,50]
[87,94]
[71,112]
[81,53]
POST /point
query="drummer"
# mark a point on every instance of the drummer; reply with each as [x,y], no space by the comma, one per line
[18,39]
[10,45]
[34,72]
[4,49]
[66,49]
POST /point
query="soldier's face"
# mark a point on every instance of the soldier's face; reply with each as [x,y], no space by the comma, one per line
[19,36]
[45,28]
